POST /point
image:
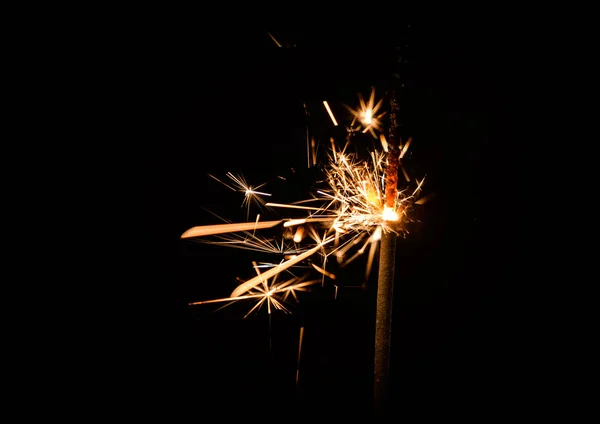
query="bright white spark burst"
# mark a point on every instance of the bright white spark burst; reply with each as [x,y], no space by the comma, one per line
[269,292]
[251,194]
[367,114]
[345,218]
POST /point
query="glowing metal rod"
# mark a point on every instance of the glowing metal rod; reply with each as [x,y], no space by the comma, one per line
[385,280]
[383,326]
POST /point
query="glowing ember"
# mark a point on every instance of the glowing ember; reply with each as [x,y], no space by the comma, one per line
[389,214]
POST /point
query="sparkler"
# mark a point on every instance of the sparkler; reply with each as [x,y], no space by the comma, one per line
[357,204]
[358,208]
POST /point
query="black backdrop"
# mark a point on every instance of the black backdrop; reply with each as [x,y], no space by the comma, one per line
[463,315]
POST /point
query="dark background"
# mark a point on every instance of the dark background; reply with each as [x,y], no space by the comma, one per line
[465,322]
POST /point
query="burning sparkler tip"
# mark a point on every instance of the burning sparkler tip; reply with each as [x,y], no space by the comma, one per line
[390,214]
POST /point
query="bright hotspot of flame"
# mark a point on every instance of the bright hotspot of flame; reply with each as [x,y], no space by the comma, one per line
[389,214]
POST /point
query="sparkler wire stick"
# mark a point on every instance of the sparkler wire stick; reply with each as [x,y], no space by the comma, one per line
[362,206]
[385,282]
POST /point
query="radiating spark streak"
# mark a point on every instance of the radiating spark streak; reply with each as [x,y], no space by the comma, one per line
[298,286]
[205,230]
[333,148]
[346,262]
[313,146]
[307,135]
[293,295]
[225,184]
[312,199]
[250,193]
[244,287]
[384,143]
[255,243]
[348,244]
[299,234]
[330,113]
[257,269]
[331,196]
[405,148]
[420,183]
[324,271]
[274,39]
[257,306]
[265,265]
[406,177]
[370,259]
[294,222]
[425,199]
[226,299]
[299,352]
[323,268]
[300,221]
[254,229]
[314,235]
[266,294]
[242,185]
[280,205]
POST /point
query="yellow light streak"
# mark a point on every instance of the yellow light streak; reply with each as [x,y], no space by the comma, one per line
[206,230]
[330,113]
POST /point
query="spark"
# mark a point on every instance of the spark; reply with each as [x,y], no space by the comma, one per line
[253,282]
[274,39]
[384,144]
[251,194]
[299,352]
[425,199]
[330,113]
[281,205]
[294,222]
[324,271]
[299,235]
[270,292]
[206,230]
[367,115]
[405,148]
